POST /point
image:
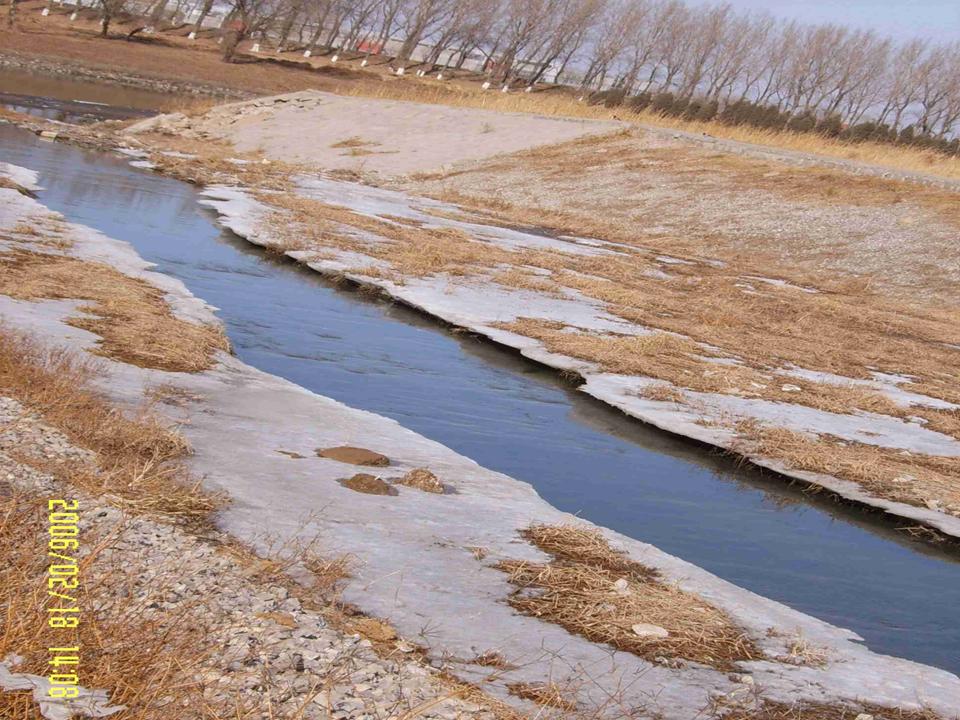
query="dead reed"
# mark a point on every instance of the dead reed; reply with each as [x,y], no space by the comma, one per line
[131,316]
[596,592]
[139,459]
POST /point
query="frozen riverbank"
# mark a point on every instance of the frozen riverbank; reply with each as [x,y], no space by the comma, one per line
[482,305]
[432,574]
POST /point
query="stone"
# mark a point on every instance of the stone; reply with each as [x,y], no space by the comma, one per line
[646,630]
[354,456]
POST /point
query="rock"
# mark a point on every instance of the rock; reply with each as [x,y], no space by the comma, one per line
[354,456]
[369,484]
[791,388]
[422,479]
[157,123]
[650,631]
[621,586]
[864,716]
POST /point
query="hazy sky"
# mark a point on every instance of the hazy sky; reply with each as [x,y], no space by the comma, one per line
[934,19]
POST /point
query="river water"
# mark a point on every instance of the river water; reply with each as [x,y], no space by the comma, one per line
[508,414]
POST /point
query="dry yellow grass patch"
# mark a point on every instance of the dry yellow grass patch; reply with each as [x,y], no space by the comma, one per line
[925,480]
[139,459]
[354,142]
[566,105]
[594,591]
[684,363]
[144,659]
[546,694]
[131,316]
[8,184]
[762,709]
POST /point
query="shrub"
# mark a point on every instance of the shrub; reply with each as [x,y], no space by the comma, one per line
[662,102]
[639,102]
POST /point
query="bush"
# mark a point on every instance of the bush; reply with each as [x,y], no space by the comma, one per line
[662,102]
[708,111]
[679,107]
[640,102]
[802,122]
[831,125]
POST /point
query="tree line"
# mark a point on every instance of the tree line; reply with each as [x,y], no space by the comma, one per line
[702,62]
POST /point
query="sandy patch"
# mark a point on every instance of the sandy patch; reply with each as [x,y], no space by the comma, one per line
[390,137]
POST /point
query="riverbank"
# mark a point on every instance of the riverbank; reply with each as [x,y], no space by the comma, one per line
[675,307]
[300,422]
[57,44]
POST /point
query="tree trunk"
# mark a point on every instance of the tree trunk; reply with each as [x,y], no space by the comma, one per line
[231,41]
[12,14]
[207,6]
[159,9]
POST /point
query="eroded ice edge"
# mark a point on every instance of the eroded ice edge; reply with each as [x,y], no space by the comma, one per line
[479,303]
[414,565]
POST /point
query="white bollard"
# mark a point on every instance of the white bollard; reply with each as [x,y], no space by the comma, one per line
[307,53]
[529,88]
[73,16]
[334,58]
[192,35]
[219,41]
[255,48]
[45,12]
[400,71]
[485,86]
[363,63]
[439,76]
[505,88]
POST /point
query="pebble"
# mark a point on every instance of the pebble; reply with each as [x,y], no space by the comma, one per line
[263,631]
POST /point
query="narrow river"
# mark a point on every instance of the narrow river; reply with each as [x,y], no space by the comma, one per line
[510,415]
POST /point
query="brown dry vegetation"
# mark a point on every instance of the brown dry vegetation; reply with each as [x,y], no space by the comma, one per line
[131,316]
[144,659]
[138,460]
[592,590]
[772,710]
[170,55]
[914,478]
[700,313]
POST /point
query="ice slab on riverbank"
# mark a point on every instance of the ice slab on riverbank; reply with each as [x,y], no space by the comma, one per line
[414,560]
[479,304]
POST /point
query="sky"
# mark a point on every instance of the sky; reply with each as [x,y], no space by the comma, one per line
[937,20]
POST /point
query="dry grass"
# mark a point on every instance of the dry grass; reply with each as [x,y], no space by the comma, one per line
[139,460]
[199,61]
[354,142]
[146,660]
[762,709]
[565,105]
[546,694]
[131,316]
[8,184]
[914,478]
[684,363]
[594,591]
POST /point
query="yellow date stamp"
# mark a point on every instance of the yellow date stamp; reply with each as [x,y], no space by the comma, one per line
[63,584]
